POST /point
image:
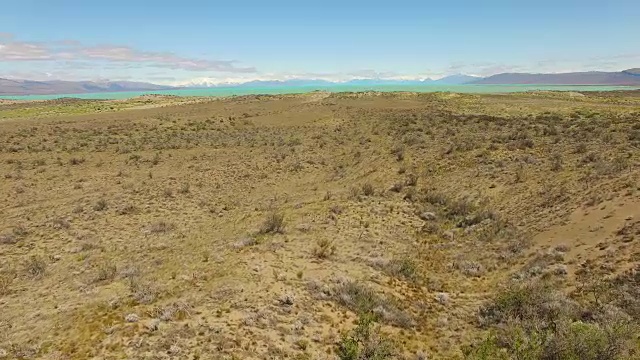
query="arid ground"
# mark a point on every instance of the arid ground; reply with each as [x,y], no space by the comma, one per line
[321,226]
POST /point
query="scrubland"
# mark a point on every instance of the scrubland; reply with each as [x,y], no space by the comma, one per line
[322,226]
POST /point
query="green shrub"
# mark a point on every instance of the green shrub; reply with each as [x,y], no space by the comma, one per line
[365,343]
[533,321]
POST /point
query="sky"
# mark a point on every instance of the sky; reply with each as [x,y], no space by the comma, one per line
[199,41]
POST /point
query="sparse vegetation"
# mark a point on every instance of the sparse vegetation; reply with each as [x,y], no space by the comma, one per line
[368,189]
[535,321]
[6,279]
[486,226]
[365,342]
[100,205]
[106,272]
[324,248]
[273,224]
[36,266]
[160,227]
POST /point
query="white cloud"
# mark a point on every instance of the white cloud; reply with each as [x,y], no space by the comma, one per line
[71,60]
[11,51]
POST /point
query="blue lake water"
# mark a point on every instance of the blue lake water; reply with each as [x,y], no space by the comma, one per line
[239,90]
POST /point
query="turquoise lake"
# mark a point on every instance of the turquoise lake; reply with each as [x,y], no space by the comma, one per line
[229,91]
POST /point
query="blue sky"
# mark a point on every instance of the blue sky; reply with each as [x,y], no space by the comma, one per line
[177,42]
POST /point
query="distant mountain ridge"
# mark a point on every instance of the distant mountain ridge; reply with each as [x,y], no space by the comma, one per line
[456,79]
[630,77]
[29,87]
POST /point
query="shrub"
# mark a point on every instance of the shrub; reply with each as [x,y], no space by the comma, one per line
[142,292]
[368,189]
[398,151]
[436,198]
[460,207]
[354,192]
[6,279]
[403,268]
[274,223]
[76,161]
[106,272]
[20,231]
[556,162]
[185,188]
[363,300]
[412,180]
[397,187]
[336,209]
[100,205]
[160,227]
[8,239]
[324,249]
[357,297]
[525,302]
[533,321]
[365,342]
[36,266]
[127,209]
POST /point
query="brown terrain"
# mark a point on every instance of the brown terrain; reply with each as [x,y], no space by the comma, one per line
[322,226]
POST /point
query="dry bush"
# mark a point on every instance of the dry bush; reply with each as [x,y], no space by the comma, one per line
[398,152]
[436,198]
[160,227]
[460,207]
[244,242]
[412,180]
[273,224]
[368,189]
[106,272]
[76,161]
[36,266]
[100,205]
[185,188]
[20,231]
[176,311]
[404,268]
[324,248]
[397,187]
[6,279]
[362,299]
[556,162]
[8,239]
[127,209]
[142,292]
[336,209]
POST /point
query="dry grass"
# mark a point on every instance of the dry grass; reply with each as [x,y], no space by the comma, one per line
[149,231]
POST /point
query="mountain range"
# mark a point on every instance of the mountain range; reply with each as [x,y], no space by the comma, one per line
[626,77]
[29,87]
[457,79]
[629,77]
